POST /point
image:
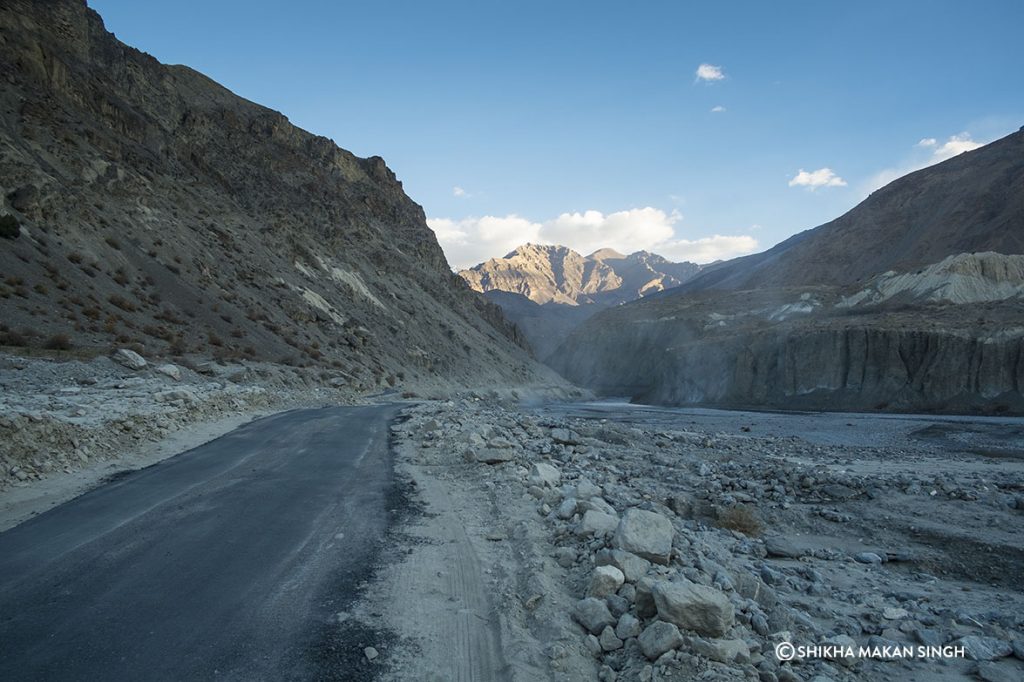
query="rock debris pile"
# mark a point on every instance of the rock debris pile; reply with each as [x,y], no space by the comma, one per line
[692,555]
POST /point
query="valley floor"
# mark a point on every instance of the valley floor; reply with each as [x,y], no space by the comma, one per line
[602,540]
[841,530]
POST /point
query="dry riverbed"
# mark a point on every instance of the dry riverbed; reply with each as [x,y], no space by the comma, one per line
[620,543]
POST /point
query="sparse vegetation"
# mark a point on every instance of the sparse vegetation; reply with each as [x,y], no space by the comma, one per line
[122,303]
[13,338]
[58,342]
[9,227]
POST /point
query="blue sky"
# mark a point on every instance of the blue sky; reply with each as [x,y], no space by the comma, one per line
[586,122]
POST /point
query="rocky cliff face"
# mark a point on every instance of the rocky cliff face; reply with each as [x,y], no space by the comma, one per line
[911,301]
[798,348]
[549,290]
[148,206]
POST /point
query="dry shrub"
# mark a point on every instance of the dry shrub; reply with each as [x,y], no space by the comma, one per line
[58,342]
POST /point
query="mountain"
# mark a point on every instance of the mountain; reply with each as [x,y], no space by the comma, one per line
[557,274]
[548,290]
[911,301]
[145,205]
[972,202]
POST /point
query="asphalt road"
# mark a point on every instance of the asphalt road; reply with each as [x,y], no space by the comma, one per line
[226,562]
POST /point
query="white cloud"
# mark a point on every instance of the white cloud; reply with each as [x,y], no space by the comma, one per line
[458,192]
[625,231]
[823,177]
[956,144]
[709,73]
[717,109]
[707,249]
[474,240]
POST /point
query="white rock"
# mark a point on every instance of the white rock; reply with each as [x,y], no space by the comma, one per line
[646,534]
[605,580]
[129,359]
[566,509]
[544,474]
[173,371]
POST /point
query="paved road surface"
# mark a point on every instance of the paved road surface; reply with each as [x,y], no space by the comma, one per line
[226,562]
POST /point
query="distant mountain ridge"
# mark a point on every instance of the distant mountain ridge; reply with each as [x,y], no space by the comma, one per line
[557,274]
[547,290]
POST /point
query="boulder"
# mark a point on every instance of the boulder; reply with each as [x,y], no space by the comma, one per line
[597,523]
[172,371]
[543,474]
[593,615]
[659,637]
[566,509]
[173,395]
[979,648]
[605,580]
[644,598]
[608,640]
[646,534]
[565,436]
[721,650]
[628,626]
[129,359]
[633,567]
[867,558]
[695,607]
[585,489]
[782,547]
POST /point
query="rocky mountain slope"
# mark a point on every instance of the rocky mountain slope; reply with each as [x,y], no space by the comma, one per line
[146,206]
[847,316]
[549,290]
[972,202]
